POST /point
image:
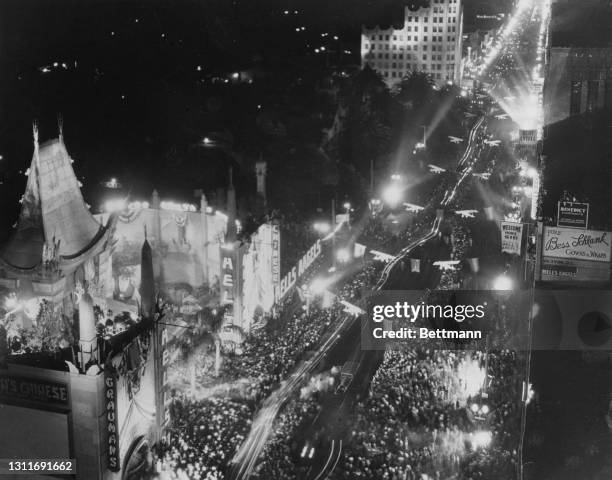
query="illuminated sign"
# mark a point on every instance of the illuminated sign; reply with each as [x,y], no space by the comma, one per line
[569,243]
[511,235]
[296,272]
[33,390]
[275,255]
[535,195]
[227,277]
[573,215]
[112,431]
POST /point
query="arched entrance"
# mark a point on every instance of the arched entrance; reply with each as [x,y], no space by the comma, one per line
[138,461]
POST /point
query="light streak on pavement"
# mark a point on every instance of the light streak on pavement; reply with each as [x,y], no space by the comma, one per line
[262,427]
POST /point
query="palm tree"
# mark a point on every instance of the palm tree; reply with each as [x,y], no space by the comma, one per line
[415,89]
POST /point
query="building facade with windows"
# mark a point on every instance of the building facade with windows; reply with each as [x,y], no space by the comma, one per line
[429,41]
[578,76]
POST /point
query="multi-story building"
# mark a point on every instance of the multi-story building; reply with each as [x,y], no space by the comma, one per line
[429,41]
[578,75]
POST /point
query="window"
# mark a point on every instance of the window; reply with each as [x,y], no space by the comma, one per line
[395,38]
[592,95]
[380,37]
[575,97]
[387,37]
[425,28]
[424,56]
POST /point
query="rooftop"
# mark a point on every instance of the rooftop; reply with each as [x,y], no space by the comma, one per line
[584,23]
[52,212]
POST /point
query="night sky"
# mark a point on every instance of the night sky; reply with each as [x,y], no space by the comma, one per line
[125,77]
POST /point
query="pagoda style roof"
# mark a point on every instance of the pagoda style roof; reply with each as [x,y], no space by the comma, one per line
[54,217]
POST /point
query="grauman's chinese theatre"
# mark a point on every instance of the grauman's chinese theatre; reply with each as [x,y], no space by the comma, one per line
[95,395]
[56,242]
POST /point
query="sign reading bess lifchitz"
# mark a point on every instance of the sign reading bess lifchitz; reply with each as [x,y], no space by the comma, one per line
[589,245]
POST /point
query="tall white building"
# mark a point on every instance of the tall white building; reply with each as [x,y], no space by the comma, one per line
[429,41]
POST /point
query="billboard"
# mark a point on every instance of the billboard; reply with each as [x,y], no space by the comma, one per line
[571,255]
[573,215]
[261,268]
[290,279]
[570,270]
[511,236]
[591,245]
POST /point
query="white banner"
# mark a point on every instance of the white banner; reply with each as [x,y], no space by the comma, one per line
[589,245]
[511,236]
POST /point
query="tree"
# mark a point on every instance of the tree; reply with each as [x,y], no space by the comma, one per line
[51,331]
[415,89]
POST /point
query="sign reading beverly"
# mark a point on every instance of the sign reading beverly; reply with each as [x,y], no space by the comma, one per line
[573,215]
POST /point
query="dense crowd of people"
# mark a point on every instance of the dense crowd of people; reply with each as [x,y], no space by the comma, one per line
[416,421]
[204,436]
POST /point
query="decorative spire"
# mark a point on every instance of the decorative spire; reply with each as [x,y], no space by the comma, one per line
[230,234]
[60,127]
[35,136]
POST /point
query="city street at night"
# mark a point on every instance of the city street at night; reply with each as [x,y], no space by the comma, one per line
[306,240]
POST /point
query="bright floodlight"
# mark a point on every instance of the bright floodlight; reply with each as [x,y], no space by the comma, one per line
[117,205]
[347,205]
[322,227]
[343,255]
[481,439]
[503,282]
[318,286]
[392,195]
[207,141]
